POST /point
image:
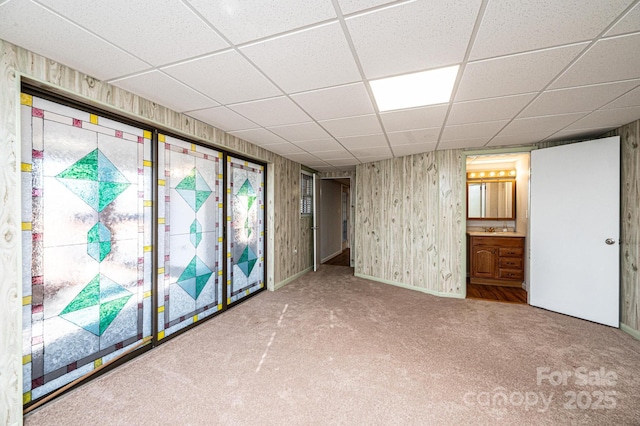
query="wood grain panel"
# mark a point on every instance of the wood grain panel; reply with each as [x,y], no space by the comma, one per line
[10,230]
[286,228]
[452,222]
[630,225]
[409,223]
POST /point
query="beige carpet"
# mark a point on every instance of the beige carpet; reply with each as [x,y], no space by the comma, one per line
[330,348]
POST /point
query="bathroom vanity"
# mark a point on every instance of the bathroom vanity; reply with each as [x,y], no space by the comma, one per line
[496,258]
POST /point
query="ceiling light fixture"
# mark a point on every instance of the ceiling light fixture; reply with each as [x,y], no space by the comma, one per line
[414,90]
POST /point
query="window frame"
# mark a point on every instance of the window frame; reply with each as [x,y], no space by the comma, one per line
[306,193]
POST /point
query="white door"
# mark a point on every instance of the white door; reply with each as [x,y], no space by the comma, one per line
[574,230]
[316,222]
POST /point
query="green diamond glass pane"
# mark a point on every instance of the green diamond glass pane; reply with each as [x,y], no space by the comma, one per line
[246,190]
[88,296]
[95,180]
[99,242]
[195,277]
[247,261]
[97,305]
[194,190]
[196,233]
[85,168]
[110,310]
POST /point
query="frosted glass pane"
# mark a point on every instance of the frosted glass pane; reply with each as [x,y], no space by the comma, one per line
[192,241]
[245,228]
[84,265]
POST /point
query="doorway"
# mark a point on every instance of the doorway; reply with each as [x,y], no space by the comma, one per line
[335,222]
[500,214]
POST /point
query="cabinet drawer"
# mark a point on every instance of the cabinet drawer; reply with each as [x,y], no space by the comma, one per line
[511,274]
[511,262]
[498,241]
[510,251]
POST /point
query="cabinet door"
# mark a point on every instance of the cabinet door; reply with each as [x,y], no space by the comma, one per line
[484,262]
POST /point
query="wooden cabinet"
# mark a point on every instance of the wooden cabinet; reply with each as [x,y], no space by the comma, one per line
[497,260]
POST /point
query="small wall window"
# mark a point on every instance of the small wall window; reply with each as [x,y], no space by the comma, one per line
[306,193]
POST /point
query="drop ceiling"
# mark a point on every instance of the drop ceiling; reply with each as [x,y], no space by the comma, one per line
[293,77]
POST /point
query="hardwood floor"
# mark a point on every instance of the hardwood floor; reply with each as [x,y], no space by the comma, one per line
[340,260]
[496,293]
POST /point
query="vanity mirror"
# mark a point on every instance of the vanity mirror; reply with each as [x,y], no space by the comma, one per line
[491,195]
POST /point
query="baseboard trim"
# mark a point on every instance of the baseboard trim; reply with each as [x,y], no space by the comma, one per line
[409,287]
[635,333]
[293,278]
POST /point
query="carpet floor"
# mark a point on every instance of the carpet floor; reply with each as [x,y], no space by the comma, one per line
[331,348]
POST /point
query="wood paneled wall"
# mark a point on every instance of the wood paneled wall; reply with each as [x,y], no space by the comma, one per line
[286,229]
[10,241]
[629,225]
[410,223]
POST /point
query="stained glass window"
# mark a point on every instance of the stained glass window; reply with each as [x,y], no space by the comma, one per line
[86,221]
[245,222]
[190,234]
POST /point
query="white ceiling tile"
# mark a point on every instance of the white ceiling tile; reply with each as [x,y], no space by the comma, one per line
[350,6]
[261,137]
[463,143]
[577,99]
[610,59]
[284,149]
[271,112]
[421,136]
[242,21]
[223,118]
[409,37]
[300,132]
[367,141]
[372,158]
[334,102]
[319,145]
[473,130]
[629,99]
[510,75]
[343,161]
[166,32]
[566,135]
[541,125]
[520,139]
[226,77]
[353,126]
[614,117]
[417,118]
[306,60]
[303,158]
[493,109]
[540,24]
[333,155]
[629,23]
[380,151]
[35,28]
[404,150]
[164,90]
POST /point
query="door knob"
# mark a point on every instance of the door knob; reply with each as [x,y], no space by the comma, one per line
[610,241]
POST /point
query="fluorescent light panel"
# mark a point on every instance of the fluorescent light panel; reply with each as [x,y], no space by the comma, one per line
[414,90]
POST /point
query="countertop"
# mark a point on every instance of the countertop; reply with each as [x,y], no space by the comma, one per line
[495,234]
